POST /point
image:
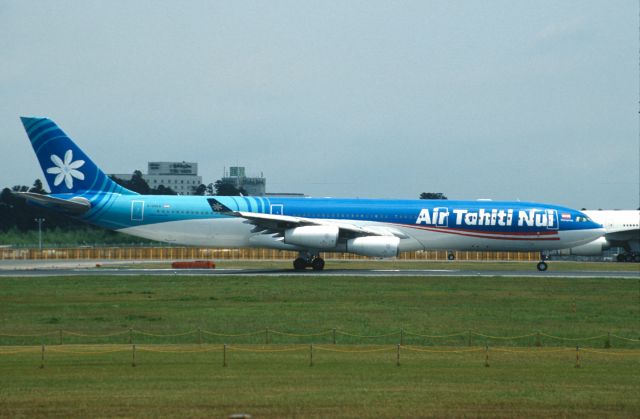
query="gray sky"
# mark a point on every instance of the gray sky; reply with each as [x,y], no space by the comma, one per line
[531,100]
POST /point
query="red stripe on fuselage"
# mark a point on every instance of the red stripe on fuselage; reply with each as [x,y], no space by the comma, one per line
[490,234]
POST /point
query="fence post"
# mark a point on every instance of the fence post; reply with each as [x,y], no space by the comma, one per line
[133,355]
[42,357]
[607,343]
[311,355]
[398,355]
[577,357]
[60,331]
[334,335]
[224,355]
[486,356]
[538,341]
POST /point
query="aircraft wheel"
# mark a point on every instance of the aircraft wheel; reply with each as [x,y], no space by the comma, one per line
[451,256]
[542,266]
[317,264]
[300,264]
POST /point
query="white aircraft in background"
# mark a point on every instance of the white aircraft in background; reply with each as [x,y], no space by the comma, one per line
[622,229]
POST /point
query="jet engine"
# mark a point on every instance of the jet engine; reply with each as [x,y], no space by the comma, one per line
[313,237]
[593,248]
[374,246]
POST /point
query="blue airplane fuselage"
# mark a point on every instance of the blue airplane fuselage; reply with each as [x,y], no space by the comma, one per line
[371,227]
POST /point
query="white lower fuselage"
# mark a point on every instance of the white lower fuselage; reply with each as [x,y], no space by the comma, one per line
[237,233]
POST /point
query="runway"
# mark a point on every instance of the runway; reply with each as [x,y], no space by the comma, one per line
[89,268]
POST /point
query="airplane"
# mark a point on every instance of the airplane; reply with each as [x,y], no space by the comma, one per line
[622,229]
[370,227]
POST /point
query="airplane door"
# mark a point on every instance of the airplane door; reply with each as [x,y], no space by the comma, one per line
[277,209]
[137,210]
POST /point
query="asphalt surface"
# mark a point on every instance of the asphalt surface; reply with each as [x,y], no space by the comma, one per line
[77,268]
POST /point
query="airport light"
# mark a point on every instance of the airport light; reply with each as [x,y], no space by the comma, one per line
[39,221]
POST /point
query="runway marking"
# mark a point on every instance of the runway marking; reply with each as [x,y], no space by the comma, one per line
[413,270]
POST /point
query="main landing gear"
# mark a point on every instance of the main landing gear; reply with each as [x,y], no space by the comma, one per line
[308,260]
[628,257]
[451,255]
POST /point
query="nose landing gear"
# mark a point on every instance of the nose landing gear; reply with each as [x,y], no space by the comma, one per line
[542,265]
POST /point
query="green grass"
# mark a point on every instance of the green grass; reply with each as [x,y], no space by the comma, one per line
[282,384]
[496,306]
[338,385]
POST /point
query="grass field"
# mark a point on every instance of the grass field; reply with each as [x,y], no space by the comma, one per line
[539,381]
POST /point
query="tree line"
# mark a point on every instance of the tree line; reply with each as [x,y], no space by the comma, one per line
[18,216]
[139,185]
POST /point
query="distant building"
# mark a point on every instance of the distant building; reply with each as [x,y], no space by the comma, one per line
[236,176]
[182,177]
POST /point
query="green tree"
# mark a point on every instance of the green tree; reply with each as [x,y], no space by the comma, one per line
[200,190]
[16,213]
[20,188]
[227,189]
[38,188]
[432,195]
[138,184]
[163,190]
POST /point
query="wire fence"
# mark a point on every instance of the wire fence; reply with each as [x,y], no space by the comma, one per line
[227,354]
[331,336]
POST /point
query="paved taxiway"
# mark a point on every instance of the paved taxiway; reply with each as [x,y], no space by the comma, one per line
[27,268]
[328,272]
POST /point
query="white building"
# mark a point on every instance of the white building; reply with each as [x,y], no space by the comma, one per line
[182,177]
[254,186]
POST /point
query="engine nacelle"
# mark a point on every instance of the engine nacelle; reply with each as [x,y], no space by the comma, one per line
[313,237]
[593,248]
[374,246]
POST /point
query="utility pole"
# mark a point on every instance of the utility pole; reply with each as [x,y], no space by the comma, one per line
[39,221]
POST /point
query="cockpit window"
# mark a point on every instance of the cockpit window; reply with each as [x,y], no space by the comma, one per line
[582,219]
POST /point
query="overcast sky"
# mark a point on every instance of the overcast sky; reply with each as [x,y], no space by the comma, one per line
[530,100]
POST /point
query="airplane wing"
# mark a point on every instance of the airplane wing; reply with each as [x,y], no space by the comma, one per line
[623,235]
[73,206]
[274,223]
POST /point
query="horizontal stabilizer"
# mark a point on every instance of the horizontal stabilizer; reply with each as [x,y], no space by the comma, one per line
[73,206]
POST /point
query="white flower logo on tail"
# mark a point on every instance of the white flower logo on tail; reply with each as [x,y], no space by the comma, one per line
[66,170]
